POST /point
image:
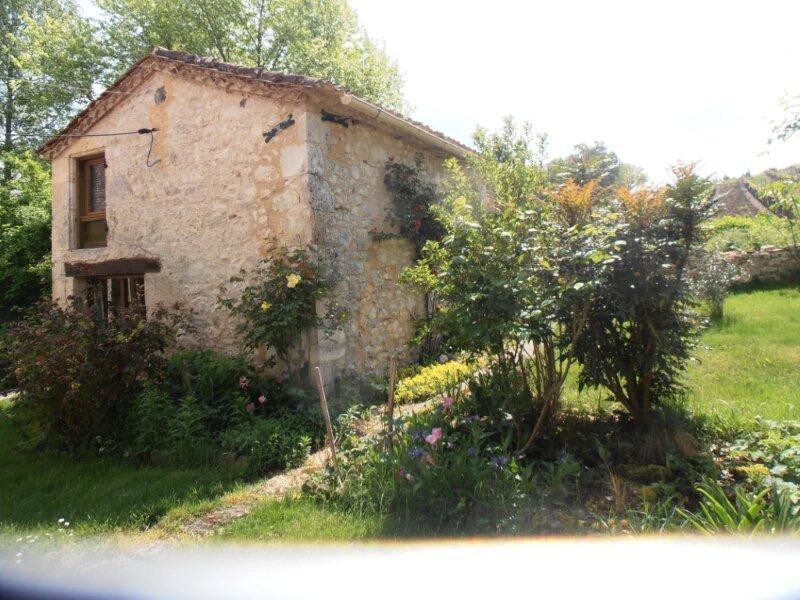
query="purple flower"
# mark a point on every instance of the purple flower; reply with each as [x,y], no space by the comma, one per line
[250,407]
[472,452]
[243,382]
[498,461]
[415,453]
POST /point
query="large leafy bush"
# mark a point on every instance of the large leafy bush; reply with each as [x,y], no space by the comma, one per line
[513,275]
[78,374]
[640,326]
[24,234]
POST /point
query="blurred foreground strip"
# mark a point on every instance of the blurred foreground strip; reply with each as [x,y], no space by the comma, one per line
[577,568]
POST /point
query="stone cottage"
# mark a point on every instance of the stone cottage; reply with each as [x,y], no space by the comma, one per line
[181,173]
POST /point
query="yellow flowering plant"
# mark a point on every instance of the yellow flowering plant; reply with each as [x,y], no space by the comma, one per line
[278,303]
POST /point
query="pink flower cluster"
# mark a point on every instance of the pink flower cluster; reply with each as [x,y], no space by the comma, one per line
[435,436]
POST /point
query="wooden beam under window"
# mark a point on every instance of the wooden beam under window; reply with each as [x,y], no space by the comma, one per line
[117,266]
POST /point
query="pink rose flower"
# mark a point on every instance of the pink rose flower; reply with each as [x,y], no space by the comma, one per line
[262,398]
[250,407]
[435,436]
[448,402]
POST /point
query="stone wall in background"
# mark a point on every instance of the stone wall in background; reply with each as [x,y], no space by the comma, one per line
[767,265]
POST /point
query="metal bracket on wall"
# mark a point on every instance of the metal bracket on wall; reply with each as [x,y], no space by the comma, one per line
[285,124]
[338,119]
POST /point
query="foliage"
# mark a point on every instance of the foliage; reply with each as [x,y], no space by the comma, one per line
[711,277]
[443,472]
[766,456]
[589,163]
[413,196]
[278,304]
[744,513]
[741,233]
[209,408]
[50,57]
[280,441]
[78,374]
[783,199]
[640,326]
[320,38]
[433,380]
[513,274]
[24,234]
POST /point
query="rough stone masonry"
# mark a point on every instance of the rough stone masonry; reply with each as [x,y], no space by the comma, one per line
[241,157]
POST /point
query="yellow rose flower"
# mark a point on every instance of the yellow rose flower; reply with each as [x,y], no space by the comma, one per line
[292,280]
[265,306]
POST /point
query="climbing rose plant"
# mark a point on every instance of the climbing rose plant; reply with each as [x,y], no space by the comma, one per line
[412,199]
[278,304]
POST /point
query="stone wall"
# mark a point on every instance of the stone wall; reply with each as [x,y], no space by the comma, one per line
[350,204]
[206,209]
[766,265]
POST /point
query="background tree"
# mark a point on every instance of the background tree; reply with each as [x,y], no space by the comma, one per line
[50,59]
[321,38]
[587,163]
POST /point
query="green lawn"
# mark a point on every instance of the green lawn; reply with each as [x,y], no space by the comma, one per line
[302,520]
[749,364]
[94,496]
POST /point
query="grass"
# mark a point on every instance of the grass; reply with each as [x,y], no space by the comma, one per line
[749,364]
[302,520]
[93,495]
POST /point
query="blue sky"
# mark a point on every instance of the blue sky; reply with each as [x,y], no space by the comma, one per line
[658,81]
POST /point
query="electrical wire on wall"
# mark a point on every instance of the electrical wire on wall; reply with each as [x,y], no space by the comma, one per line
[142,131]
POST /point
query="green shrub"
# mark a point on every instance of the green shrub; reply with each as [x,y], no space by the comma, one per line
[432,381]
[278,303]
[78,375]
[209,407]
[641,326]
[445,472]
[745,233]
[767,511]
[513,273]
[711,278]
[274,443]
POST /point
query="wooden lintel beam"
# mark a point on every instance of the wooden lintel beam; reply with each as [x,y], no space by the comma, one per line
[117,266]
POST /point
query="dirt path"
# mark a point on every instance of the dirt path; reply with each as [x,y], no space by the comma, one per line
[238,504]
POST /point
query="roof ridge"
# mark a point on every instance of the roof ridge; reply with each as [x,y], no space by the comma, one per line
[389,117]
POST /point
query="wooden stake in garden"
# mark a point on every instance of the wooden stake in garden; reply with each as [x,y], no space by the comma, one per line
[327,415]
[390,408]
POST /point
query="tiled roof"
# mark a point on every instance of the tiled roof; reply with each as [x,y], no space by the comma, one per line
[96,109]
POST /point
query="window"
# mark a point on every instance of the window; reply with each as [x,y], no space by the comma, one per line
[116,293]
[92,227]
